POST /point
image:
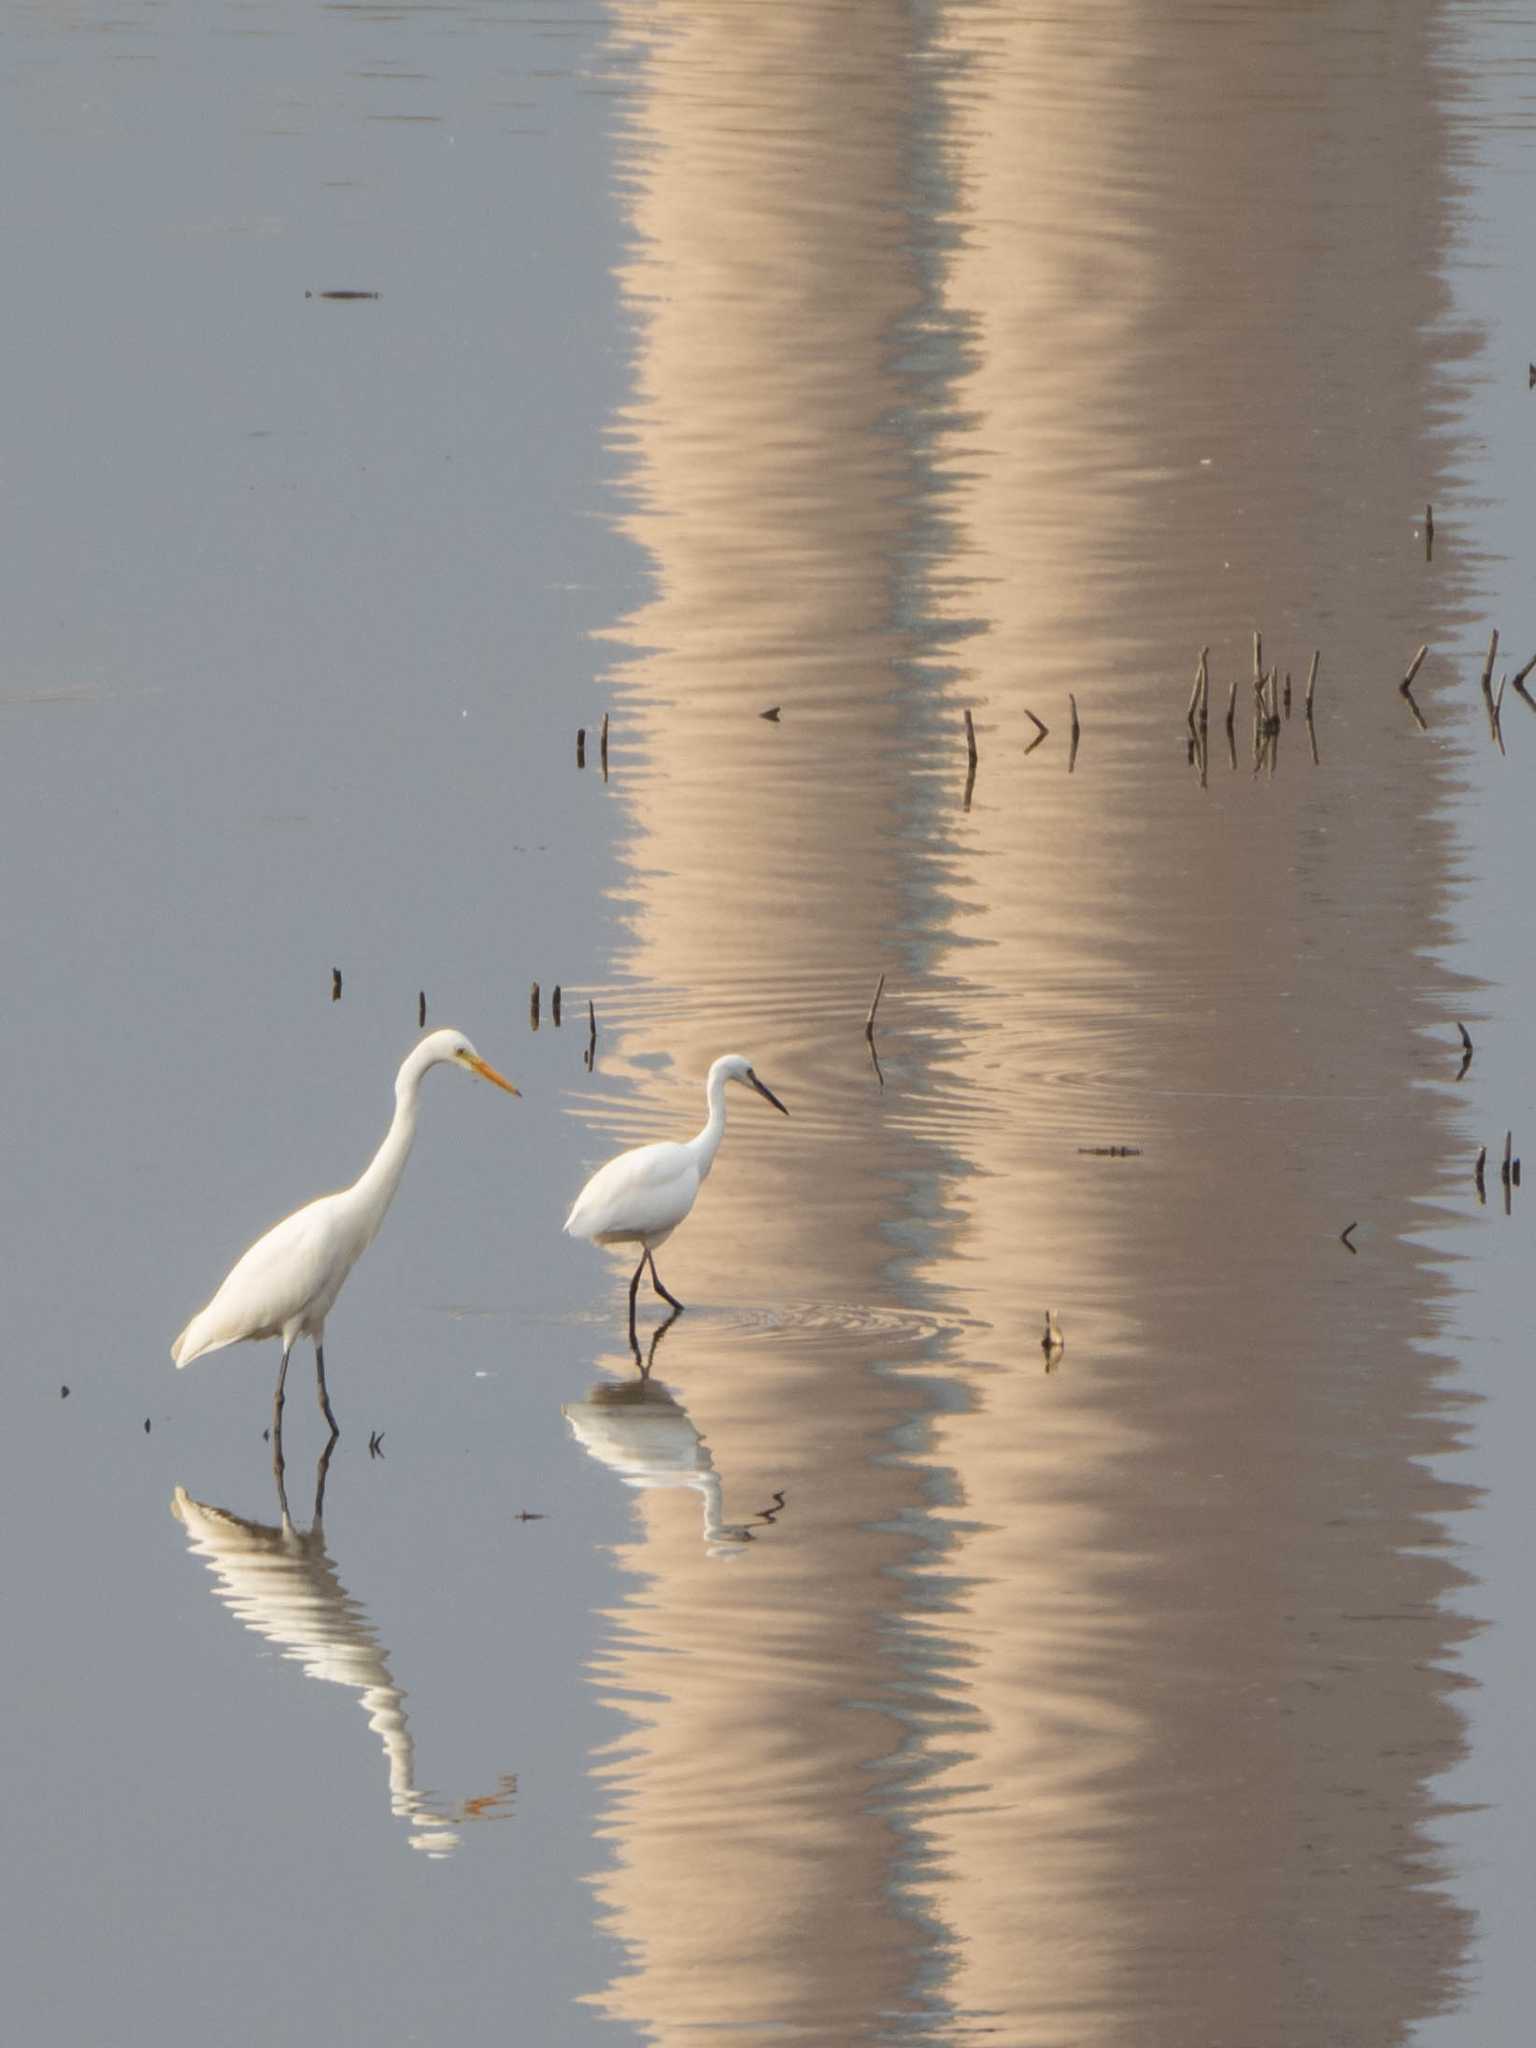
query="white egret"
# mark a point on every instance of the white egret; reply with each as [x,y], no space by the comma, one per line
[642,1196]
[285,1285]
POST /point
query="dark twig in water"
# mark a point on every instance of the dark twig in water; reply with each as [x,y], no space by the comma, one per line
[1405,687]
[1429,533]
[345,297]
[533,1007]
[971,758]
[869,1030]
[1345,1236]
[1109,1151]
[376,1444]
[529,1515]
[1077,733]
[591,1053]
[1496,713]
[1466,1051]
[1493,649]
[771,714]
[1311,681]
[581,746]
[1477,1173]
[421,1009]
[1518,680]
[602,746]
[335,984]
[554,1007]
[1042,730]
[1196,689]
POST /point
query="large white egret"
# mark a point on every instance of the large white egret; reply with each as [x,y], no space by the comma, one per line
[642,1196]
[285,1285]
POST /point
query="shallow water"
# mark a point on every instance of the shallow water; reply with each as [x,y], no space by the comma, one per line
[864,1672]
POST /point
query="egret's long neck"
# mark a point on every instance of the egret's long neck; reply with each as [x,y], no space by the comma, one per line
[376,1185]
[707,1143]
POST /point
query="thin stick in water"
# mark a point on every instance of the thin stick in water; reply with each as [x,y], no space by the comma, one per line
[554,1007]
[533,1007]
[421,1009]
[581,746]
[335,984]
[603,746]
[1492,656]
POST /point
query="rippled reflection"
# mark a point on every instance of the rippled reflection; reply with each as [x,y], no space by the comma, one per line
[280,1582]
[642,1432]
[1102,1700]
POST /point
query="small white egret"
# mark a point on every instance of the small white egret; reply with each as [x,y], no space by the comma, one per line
[642,1196]
[285,1285]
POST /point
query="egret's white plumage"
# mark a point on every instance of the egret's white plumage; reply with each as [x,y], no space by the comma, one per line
[285,1285]
[642,1196]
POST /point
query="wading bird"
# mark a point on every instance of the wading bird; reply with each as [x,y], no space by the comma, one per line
[285,1285]
[642,1196]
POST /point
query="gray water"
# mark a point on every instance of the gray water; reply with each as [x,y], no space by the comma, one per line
[853,1676]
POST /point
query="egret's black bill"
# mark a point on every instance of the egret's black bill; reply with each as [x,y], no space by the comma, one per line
[762,1089]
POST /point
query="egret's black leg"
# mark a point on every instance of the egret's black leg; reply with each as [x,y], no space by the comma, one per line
[656,1282]
[320,1471]
[325,1399]
[278,1469]
[632,1286]
[277,1400]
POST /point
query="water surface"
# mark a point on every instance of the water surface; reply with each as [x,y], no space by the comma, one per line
[861,1671]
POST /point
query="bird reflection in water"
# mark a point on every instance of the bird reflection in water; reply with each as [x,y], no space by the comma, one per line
[639,1429]
[282,1584]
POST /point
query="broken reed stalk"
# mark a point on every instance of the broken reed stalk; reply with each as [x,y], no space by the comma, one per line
[421,1009]
[1405,688]
[533,1007]
[1258,656]
[1312,680]
[335,984]
[581,746]
[1039,724]
[1197,689]
[1477,1173]
[1496,713]
[869,1032]
[970,739]
[1493,649]
[1077,733]
[1231,706]
[591,1035]
[603,746]
[554,1007]
[1429,533]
